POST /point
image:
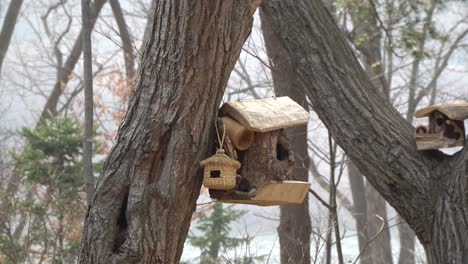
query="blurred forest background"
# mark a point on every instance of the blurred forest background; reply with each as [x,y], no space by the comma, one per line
[415,51]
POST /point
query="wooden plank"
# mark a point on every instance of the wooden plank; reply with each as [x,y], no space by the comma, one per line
[266,114]
[276,193]
[454,110]
[436,141]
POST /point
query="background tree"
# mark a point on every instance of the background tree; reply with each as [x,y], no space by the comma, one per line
[51,163]
[294,229]
[88,101]
[8,28]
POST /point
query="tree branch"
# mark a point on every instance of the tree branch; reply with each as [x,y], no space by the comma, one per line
[8,28]
[127,46]
[50,107]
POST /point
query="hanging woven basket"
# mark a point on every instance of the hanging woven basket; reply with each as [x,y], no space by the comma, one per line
[219,171]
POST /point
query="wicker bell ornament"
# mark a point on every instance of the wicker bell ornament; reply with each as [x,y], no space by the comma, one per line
[220,171]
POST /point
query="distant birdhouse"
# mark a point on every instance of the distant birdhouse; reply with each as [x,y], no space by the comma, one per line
[446,128]
[255,137]
[219,171]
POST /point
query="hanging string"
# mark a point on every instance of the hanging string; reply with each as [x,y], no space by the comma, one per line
[220,139]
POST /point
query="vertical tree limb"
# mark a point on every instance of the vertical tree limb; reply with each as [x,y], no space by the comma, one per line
[358,191]
[8,28]
[127,43]
[87,25]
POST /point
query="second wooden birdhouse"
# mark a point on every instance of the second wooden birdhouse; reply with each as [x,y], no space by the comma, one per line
[446,126]
[256,138]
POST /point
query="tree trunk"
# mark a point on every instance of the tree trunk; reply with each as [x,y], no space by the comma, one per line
[88,101]
[380,247]
[448,242]
[407,243]
[8,28]
[358,191]
[145,197]
[295,225]
[426,188]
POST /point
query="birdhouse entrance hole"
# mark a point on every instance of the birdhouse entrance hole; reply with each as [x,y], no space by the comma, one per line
[215,174]
[281,152]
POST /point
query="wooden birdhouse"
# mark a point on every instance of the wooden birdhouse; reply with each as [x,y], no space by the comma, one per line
[255,137]
[446,126]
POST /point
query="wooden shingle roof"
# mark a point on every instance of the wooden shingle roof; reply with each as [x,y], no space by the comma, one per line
[454,110]
[266,114]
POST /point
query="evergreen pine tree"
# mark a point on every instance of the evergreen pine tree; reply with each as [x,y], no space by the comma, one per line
[51,169]
[215,240]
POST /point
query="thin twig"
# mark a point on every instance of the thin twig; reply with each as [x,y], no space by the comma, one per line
[320,199]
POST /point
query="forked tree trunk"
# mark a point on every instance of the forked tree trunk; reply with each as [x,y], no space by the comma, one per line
[427,188]
[145,197]
[295,225]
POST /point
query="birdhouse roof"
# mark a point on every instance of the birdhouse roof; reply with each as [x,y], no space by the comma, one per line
[268,114]
[221,159]
[454,110]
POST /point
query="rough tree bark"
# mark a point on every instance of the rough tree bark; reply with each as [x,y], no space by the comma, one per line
[8,28]
[269,158]
[295,225]
[88,101]
[426,188]
[145,197]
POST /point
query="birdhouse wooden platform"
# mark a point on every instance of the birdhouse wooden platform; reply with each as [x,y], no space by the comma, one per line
[273,193]
[255,137]
[446,127]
